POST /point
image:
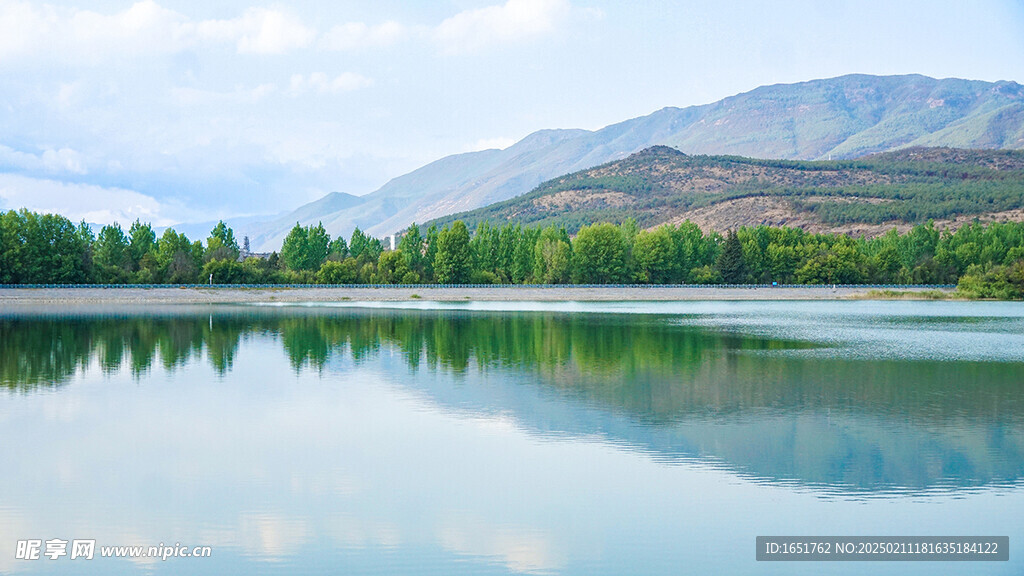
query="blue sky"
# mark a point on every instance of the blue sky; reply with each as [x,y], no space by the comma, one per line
[176,111]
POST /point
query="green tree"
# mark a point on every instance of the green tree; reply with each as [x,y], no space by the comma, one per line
[112,256]
[306,248]
[334,272]
[782,263]
[367,273]
[295,248]
[260,270]
[43,248]
[225,271]
[178,259]
[552,257]
[453,263]
[318,247]
[918,244]
[523,255]
[221,245]
[392,267]
[337,250]
[841,264]
[430,253]
[358,244]
[142,247]
[599,255]
[705,275]
[654,256]
[630,229]
[730,264]
[887,265]
[694,250]
[69,258]
[10,244]
[411,246]
[84,241]
[25,248]
[141,241]
[507,240]
[481,245]
[999,282]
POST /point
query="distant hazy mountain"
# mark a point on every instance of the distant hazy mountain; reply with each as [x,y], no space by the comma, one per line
[201,230]
[843,117]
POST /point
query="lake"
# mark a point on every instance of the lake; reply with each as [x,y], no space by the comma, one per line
[509,438]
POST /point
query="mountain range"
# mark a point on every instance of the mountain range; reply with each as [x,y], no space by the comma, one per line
[864,197]
[838,118]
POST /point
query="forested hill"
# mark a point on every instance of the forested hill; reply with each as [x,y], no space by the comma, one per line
[868,196]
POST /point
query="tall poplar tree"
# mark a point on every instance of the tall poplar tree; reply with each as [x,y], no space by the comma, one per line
[453,263]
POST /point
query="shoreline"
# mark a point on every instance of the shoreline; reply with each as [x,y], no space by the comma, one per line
[234,295]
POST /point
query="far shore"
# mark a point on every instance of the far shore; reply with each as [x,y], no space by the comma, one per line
[10,297]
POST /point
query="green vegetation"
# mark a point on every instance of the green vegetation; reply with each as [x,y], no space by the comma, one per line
[998,282]
[600,255]
[905,295]
[730,263]
[661,184]
[306,248]
[454,260]
[986,260]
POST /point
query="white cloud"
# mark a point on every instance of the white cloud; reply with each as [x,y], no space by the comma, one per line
[323,84]
[64,160]
[61,160]
[514,20]
[27,30]
[354,35]
[143,29]
[151,92]
[80,201]
[349,81]
[143,21]
[194,96]
[19,24]
[30,31]
[259,31]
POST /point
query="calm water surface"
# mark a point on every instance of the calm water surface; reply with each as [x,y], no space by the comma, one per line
[522,438]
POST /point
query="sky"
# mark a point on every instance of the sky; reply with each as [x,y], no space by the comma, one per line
[186,111]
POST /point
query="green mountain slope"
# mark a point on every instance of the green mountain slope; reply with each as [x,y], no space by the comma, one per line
[867,196]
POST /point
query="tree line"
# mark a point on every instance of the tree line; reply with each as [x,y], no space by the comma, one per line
[48,248]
